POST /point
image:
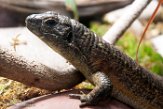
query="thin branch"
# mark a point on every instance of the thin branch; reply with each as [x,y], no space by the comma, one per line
[118,29]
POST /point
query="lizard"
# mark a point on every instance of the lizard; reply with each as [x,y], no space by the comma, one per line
[113,73]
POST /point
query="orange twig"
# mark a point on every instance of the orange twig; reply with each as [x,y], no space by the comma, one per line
[147,26]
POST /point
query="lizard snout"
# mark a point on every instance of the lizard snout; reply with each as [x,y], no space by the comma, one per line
[33,23]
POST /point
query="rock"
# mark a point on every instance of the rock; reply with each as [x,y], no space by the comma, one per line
[62,101]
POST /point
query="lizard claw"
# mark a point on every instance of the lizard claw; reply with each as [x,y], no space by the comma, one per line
[75,96]
[83,104]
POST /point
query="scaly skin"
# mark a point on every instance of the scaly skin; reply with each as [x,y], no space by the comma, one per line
[112,72]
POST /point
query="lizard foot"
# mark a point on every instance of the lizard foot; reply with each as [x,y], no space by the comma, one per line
[85,99]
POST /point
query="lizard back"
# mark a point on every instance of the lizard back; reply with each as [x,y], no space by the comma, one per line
[132,83]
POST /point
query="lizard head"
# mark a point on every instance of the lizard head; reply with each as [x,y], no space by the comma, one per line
[58,31]
[49,23]
[51,27]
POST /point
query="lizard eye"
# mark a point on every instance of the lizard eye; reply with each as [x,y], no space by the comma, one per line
[51,23]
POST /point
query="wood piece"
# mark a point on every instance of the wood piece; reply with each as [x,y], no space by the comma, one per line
[33,63]
[85,7]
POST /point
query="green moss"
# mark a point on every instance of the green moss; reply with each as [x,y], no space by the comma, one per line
[147,55]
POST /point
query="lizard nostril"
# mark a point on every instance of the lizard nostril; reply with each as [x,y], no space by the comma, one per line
[32,20]
[29,20]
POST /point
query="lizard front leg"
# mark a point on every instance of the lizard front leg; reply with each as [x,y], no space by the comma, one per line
[102,90]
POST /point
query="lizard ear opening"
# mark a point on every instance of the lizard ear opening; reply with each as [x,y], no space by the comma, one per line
[69,37]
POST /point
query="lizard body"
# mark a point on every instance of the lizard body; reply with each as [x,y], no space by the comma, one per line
[112,72]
